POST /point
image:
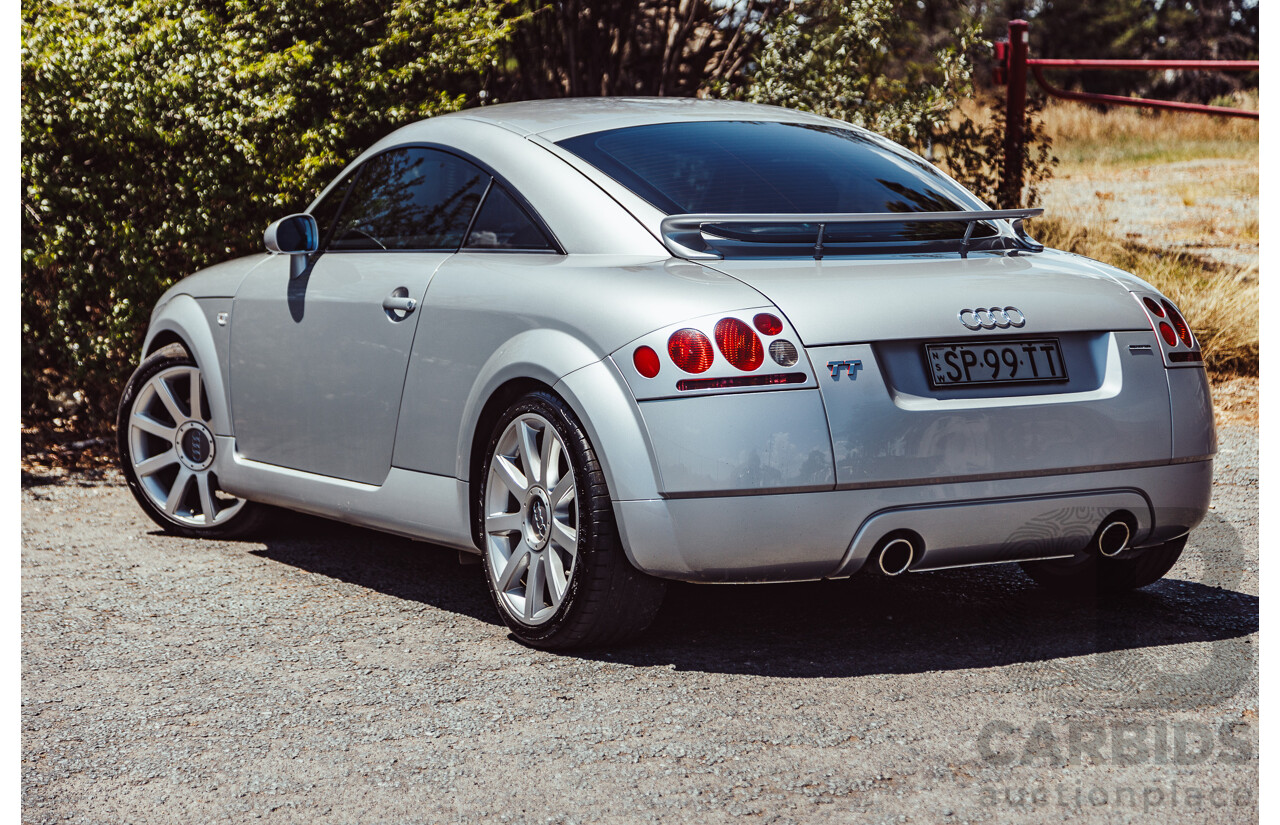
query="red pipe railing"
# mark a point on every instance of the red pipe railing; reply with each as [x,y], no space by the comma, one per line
[1011,71]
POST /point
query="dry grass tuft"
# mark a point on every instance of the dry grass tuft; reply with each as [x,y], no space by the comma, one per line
[1220,302]
[1085,137]
[1072,121]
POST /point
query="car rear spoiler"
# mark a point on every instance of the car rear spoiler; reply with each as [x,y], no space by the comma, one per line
[686,235]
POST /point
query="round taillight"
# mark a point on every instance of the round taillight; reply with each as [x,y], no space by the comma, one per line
[646,361]
[690,350]
[739,344]
[783,352]
[767,324]
[1184,331]
[1154,306]
[1166,332]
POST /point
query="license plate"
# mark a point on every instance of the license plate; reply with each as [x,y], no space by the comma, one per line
[1006,362]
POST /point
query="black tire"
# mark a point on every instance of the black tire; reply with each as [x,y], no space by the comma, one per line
[178,371]
[604,600]
[1100,576]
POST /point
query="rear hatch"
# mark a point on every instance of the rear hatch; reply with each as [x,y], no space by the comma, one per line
[937,369]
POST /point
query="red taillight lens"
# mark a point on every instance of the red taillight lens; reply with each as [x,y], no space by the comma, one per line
[1166,332]
[690,350]
[1154,306]
[767,324]
[1184,331]
[646,361]
[739,344]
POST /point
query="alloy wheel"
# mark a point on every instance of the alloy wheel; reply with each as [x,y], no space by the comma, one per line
[531,519]
[171,449]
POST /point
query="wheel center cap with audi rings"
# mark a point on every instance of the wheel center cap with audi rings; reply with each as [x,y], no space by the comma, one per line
[195,445]
[537,518]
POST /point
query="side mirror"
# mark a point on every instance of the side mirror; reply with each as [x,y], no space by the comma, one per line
[293,235]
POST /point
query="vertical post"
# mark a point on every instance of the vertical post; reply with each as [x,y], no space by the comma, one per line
[1015,114]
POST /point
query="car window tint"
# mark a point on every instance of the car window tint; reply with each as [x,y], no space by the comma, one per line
[502,224]
[752,167]
[327,209]
[410,199]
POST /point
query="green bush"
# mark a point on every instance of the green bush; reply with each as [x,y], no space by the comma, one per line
[161,136]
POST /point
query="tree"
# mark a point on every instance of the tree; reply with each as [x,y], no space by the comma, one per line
[878,65]
[160,136]
[1148,29]
[577,48]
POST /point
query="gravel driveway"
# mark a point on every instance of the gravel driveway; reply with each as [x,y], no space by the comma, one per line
[330,674]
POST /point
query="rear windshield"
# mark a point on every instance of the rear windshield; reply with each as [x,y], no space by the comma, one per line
[752,167]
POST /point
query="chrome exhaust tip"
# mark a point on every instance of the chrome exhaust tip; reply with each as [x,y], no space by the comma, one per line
[1113,538]
[896,557]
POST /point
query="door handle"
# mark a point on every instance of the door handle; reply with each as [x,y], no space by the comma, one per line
[399,305]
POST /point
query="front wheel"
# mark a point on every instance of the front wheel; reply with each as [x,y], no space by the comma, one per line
[552,557]
[165,438]
[1098,575]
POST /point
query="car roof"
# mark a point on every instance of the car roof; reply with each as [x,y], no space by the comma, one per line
[561,118]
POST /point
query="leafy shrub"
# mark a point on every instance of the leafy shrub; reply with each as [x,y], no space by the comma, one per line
[160,136]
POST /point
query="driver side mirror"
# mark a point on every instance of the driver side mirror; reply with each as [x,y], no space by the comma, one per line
[293,235]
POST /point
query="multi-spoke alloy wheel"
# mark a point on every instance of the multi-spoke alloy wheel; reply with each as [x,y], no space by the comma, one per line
[167,449]
[531,519]
[555,566]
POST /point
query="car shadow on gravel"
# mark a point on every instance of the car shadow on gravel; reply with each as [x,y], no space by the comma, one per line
[951,620]
[959,619]
[412,570]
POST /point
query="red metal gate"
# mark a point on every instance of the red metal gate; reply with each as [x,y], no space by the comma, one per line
[1011,71]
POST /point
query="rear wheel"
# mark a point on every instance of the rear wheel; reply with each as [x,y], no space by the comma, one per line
[165,438]
[552,557]
[1098,575]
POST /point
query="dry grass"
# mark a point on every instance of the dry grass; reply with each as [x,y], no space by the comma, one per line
[1172,198]
[1086,137]
[1220,302]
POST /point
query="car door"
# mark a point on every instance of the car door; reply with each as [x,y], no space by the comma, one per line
[319,349]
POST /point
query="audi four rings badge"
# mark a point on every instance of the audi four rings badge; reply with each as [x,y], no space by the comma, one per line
[992,318]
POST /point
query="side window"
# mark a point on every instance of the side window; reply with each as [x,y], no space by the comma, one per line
[502,224]
[410,199]
[327,210]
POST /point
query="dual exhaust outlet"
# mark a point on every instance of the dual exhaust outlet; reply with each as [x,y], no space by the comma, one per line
[896,552]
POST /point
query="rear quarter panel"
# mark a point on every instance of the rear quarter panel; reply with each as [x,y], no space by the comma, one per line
[492,317]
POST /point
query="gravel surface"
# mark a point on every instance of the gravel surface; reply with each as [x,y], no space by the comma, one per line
[1202,206]
[330,674]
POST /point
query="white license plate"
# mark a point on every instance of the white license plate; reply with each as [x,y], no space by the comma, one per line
[1005,362]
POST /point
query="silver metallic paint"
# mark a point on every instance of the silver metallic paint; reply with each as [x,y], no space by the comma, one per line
[184,317]
[318,367]
[489,318]
[874,298]
[806,536]
[752,442]
[1194,435]
[1016,529]
[495,316]
[417,505]
[881,434]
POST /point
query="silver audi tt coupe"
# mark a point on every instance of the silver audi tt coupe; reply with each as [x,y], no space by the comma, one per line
[607,343]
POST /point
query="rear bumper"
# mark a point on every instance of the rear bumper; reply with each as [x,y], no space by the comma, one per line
[829,534]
